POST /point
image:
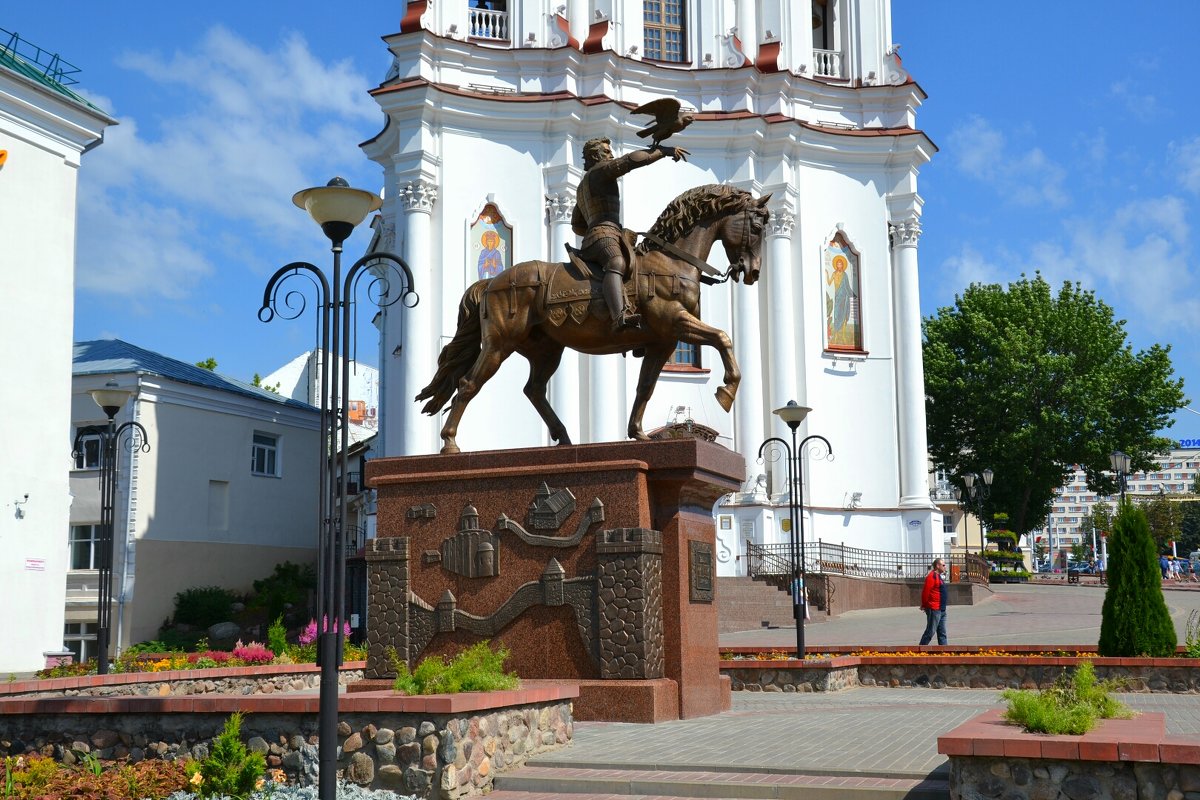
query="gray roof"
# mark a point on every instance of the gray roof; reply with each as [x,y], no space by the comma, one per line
[104,356]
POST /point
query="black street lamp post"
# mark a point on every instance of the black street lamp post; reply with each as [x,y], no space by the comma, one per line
[1120,463]
[980,491]
[114,438]
[793,414]
[338,209]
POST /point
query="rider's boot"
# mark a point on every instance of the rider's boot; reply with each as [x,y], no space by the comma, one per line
[614,296]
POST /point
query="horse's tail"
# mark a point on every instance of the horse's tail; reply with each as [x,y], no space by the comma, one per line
[458,356]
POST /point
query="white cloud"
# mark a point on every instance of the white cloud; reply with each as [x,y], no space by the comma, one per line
[1186,156]
[236,130]
[1023,175]
[969,266]
[1137,102]
[1138,260]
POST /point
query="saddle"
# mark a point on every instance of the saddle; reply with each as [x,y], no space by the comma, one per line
[567,295]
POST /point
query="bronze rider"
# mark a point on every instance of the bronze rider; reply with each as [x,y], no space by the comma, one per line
[597,217]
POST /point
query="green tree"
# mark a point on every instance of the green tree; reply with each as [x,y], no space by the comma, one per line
[1189,528]
[1165,517]
[1098,520]
[1029,384]
[257,381]
[209,363]
[1081,551]
[1135,620]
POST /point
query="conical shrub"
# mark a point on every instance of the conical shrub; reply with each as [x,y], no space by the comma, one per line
[1135,620]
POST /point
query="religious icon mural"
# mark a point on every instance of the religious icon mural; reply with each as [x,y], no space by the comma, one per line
[843,317]
[490,240]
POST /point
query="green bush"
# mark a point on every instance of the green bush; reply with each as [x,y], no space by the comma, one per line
[1134,620]
[288,585]
[277,636]
[999,576]
[203,606]
[476,669]
[175,641]
[1002,536]
[230,769]
[1192,642]
[1072,705]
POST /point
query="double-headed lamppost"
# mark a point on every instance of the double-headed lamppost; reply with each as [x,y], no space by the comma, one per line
[980,491]
[338,209]
[793,414]
[114,438]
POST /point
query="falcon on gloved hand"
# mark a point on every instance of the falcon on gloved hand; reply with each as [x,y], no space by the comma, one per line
[667,119]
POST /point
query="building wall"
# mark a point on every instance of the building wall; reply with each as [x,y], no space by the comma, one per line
[189,512]
[44,134]
[471,123]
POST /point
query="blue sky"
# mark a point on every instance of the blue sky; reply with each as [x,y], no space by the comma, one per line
[1069,143]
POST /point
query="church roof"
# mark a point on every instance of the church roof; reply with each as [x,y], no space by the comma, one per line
[103,356]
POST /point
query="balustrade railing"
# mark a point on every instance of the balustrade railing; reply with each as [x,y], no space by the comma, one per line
[836,559]
[490,25]
[827,63]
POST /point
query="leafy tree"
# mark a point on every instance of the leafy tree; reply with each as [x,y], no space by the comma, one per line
[1081,550]
[209,363]
[1196,483]
[1135,620]
[1189,528]
[1098,520]
[1165,517]
[1029,384]
[257,381]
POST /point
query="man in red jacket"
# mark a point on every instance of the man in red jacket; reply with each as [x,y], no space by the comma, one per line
[933,603]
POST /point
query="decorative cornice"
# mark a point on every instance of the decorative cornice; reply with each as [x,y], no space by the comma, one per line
[781,222]
[560,206]
[419,195]
[906,233]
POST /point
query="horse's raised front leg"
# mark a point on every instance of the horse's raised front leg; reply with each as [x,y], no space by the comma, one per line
[485,366]
[652,364]
[544,358]
[691,330]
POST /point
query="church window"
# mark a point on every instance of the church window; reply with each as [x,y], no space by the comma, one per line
[663,23]
[827,60]
[686,355]
[842,295]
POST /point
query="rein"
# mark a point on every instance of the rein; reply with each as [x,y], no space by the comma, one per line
[709,275]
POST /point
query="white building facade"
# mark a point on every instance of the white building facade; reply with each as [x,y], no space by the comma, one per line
[45,129]
[487,112]
[224,493]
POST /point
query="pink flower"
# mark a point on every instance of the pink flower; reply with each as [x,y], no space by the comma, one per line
[253,653]
[310,631]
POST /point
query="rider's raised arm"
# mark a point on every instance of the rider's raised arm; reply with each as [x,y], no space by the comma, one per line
[630,161]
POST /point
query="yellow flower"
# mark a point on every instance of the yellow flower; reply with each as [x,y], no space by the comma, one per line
[278,776]
[197,779]
[258,784]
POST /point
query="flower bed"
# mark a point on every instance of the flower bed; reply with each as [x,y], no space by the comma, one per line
[1015,667]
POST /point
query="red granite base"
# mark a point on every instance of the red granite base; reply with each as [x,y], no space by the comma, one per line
[370,685]
[726,693]
[627,701]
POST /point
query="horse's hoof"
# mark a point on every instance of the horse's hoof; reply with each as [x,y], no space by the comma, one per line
[450,449]
[639,435]
[725,397]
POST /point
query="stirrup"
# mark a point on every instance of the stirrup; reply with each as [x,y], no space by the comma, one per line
[627,321]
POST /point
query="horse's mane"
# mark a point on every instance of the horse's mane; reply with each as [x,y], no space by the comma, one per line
[685,211]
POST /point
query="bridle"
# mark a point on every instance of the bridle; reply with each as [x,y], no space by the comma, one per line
[709,274]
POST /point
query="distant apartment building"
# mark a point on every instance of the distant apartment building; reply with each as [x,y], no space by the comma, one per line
[226,491]
[1175,474]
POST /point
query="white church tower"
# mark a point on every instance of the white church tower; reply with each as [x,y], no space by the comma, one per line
[488,104]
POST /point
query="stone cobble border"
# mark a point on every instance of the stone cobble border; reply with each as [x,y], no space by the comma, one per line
[436,746]
[265,679]
[1164,675]
[1129,759]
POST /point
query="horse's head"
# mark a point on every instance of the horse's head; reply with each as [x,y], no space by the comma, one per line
[743,240]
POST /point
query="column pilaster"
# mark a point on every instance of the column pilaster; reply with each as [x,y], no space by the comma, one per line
[420,324]
[564,384]
[785,320]
[910,371]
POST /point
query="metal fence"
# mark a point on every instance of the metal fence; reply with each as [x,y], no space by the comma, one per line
[837,559]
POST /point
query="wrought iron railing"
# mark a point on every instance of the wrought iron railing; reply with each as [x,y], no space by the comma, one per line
[836,559]
[51,65]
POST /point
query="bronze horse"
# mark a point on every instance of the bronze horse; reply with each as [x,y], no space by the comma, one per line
[538,308]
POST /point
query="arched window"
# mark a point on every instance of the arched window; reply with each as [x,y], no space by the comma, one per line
[842,293]
[663,22]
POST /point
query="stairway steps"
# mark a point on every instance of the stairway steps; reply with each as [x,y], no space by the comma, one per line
[537,782]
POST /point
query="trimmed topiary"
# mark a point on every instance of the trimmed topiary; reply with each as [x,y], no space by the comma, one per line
[1135,620]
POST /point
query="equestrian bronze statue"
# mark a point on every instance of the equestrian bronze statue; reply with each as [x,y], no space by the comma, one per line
[538,308]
